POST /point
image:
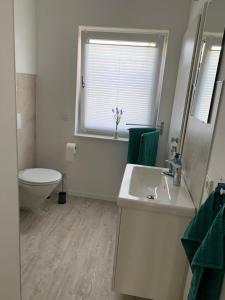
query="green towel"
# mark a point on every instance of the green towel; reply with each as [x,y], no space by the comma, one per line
[203,242]
[134,143]
[148,148]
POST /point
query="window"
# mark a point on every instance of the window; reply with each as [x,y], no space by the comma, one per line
[118,69]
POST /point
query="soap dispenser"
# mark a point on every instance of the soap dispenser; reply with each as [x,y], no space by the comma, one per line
[173,152]
[177,165]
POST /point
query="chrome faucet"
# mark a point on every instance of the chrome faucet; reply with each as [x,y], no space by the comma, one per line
[175,168]
[170,172]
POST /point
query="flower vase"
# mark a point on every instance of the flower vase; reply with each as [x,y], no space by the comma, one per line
[116,133]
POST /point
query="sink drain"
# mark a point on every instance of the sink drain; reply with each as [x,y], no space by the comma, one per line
[150,197]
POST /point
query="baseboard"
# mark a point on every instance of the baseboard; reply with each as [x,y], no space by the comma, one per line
[92,195]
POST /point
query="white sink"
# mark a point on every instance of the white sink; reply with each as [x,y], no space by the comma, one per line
[148,188]
[149,183]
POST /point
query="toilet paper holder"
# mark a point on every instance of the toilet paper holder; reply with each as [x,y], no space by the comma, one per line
[70,151]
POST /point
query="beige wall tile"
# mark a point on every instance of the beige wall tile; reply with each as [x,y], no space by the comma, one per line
[26,105]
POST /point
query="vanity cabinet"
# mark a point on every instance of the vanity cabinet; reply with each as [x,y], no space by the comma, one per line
[149,259]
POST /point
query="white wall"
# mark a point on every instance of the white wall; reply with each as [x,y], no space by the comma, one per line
[98,167]
[9,212]
[25,36]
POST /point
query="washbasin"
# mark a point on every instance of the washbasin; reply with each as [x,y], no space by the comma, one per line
[147,188]
[149,183]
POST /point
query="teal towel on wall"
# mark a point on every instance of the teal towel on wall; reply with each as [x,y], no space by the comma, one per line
[203,242]
[148,148]
[136,140]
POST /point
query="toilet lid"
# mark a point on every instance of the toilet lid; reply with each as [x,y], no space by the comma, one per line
[39,175]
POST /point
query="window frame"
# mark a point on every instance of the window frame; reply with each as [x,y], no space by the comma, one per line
[80,64]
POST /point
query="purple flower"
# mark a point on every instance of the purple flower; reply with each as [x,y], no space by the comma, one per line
[117,115]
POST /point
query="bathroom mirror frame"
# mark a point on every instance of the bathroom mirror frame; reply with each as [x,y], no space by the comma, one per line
[194,64]
[199,75]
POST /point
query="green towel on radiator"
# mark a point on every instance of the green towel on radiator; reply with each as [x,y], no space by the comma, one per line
[203,242]
[135,141]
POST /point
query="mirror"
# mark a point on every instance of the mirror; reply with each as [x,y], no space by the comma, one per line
[211,46]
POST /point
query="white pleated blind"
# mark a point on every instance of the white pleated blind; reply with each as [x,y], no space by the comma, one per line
[122,76]
[206,84]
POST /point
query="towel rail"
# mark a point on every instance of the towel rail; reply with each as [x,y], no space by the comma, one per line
[160,127]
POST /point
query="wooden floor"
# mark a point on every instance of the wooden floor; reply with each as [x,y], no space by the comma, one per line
[67,251]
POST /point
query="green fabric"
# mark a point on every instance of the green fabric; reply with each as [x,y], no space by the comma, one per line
[134,143]
[203,242]
[148,148]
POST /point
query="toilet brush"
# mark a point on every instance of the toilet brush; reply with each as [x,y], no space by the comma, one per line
[62,194]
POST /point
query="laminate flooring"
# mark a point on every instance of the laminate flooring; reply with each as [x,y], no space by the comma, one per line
[67,251]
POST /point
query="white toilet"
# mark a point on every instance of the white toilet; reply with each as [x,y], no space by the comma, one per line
[35,185]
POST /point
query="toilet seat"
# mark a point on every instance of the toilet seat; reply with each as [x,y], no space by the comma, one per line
[39,176]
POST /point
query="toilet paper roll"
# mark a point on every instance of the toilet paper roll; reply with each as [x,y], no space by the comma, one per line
[70,151]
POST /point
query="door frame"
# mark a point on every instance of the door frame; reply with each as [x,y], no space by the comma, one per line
[10,285]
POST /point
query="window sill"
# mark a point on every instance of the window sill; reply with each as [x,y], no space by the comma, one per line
[101,137]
